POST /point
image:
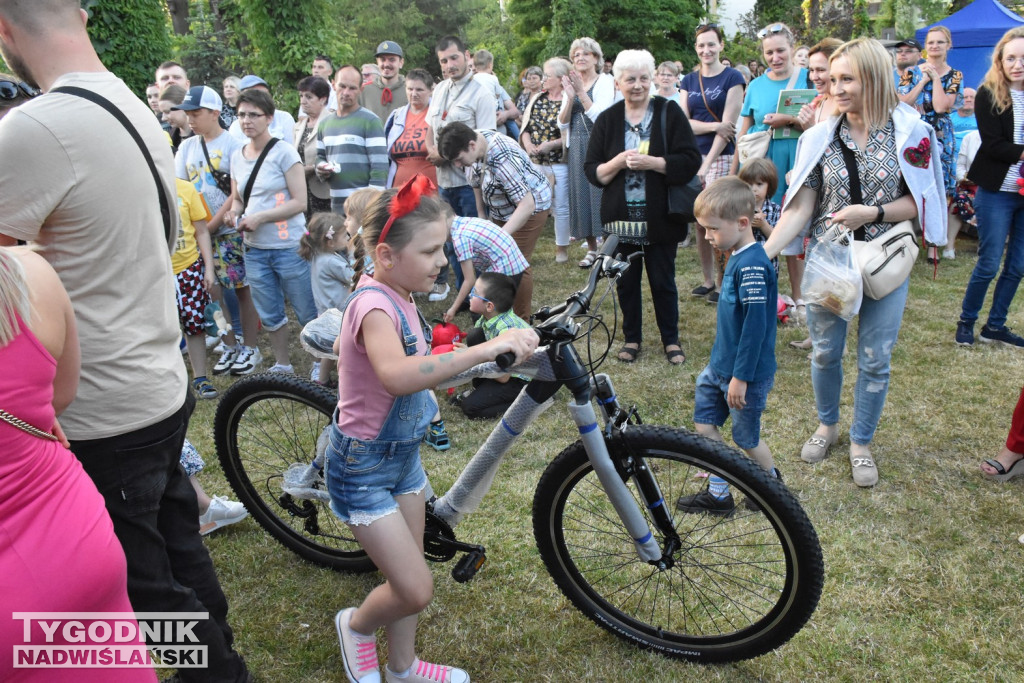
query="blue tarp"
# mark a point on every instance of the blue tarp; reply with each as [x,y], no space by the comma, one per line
[976,29]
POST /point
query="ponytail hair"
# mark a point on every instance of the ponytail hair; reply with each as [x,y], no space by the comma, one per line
[313,243]
[14,300]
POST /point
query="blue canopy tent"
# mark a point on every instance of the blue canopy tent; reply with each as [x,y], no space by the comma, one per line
[976,29]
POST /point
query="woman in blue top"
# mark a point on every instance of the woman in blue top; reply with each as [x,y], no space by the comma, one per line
[711,99]
[759,113]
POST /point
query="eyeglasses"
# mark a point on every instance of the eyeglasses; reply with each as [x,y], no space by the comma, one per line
[772,30]
[474,295]
[704,27]
[249,115]
[9,90]
[580,53]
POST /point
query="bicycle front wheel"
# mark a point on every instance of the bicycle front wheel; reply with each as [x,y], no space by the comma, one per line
[739,585]
[264,424]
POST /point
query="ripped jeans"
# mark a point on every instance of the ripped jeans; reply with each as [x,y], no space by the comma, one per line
[878,325]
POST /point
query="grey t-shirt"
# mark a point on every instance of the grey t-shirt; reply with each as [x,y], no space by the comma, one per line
[190,164]
[269,190]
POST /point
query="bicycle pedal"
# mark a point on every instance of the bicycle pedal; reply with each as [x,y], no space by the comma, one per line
[469,565]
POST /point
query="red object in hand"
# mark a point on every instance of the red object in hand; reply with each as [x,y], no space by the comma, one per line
[445,334]
[780,310]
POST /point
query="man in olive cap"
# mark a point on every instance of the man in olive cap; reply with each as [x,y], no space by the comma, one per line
[386,93]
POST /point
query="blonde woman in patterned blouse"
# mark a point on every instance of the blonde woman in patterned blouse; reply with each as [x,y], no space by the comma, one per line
[542,140]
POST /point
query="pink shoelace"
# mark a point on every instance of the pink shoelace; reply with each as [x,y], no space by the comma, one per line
[433,672]
[366,656]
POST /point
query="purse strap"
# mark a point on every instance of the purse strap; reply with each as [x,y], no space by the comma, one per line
[206,153]
[256,169]
[165,206]
[25,426]
[856,195]
[700,79]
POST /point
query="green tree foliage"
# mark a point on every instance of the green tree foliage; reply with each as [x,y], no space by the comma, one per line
[491,31]
[131,37]
[665,27]
[283,37]
[206,51]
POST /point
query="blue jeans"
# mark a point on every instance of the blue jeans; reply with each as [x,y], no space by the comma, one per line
[1000,216]
[463,201]
[273,275]
[878,325]
[711,408]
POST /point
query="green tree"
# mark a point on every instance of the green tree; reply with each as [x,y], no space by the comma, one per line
[131,37]
[206,50]
[283,37]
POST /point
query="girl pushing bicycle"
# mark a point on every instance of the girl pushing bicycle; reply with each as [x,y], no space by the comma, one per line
[384,408]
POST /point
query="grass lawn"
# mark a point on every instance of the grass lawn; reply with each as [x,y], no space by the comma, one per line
[921,570]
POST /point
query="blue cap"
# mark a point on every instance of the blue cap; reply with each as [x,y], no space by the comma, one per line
[250,81]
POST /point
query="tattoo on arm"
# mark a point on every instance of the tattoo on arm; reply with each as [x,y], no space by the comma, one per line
[426,368]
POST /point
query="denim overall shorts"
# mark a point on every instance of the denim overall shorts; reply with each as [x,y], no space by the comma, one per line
[364,476]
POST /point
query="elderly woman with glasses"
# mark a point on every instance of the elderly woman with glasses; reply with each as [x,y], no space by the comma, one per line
[638,148]
[588,92]
[760,112]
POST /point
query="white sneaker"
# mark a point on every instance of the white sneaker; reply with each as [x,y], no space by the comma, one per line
[221,513]
[283,369]
[227,360]
[211,341]
[314,372]
[949,253]
[249,358]
[439,292]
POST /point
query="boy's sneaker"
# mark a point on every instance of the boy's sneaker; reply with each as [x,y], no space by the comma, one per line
[249,358]
[425,672]
[203,388]
[358,651]
[1002,335]
[964,333]
[211,341]
[314,372]
[282,369]
[439,292]
[221,513]
[227,359]
[437,436]
[705,502]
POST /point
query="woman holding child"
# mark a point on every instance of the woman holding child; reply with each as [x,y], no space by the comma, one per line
[638,147]
[901,180]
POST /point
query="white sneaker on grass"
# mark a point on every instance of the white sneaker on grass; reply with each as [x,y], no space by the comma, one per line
[439,292]
[249,358]
[314,372]
[283,369]
[221,513]
[227,360]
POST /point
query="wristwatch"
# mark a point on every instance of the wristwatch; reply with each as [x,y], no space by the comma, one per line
[881,214]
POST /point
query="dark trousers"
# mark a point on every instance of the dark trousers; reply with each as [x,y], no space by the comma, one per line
[660,261]
[156,518]
[491,398]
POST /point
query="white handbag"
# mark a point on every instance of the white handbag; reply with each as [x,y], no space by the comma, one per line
[886,261]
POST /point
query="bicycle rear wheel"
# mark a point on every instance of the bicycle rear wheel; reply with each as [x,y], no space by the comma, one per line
[739,586]
[264,424]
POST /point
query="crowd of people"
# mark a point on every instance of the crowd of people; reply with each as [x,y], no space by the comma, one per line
[389,184]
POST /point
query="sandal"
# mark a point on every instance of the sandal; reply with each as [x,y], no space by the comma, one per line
[628,354]
[672,354]
[588,260]
[803,345]
[1003,474]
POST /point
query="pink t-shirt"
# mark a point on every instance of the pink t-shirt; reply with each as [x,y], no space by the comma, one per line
[363,403]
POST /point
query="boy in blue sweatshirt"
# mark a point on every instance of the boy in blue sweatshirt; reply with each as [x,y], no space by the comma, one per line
[741,372]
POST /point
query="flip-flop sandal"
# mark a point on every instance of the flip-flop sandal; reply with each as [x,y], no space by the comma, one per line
[672,355]
[628,354]
[1003,474]
[588,260]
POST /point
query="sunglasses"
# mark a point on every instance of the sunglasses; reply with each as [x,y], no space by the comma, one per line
[772,30]
[705,27]
[9,90]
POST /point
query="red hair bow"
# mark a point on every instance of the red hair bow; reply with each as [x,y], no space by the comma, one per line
[406,200]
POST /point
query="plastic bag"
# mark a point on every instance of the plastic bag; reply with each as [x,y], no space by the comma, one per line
[318,336]
[831,279]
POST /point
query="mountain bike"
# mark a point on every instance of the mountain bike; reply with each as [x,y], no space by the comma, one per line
[695,586]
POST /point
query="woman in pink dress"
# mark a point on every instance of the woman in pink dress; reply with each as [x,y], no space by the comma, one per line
[58,551]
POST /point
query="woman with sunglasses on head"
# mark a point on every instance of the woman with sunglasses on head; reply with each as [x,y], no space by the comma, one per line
[892,155]
[998,204]
[760,112]
[711,99]
[268,195]
[588,92]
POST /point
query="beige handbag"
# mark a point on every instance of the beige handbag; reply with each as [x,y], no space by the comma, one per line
[753,145]
[886,261]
